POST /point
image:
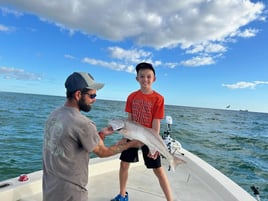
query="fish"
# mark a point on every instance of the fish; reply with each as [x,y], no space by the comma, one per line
[132,130]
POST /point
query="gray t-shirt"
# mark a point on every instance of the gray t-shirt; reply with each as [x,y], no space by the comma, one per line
[68,140]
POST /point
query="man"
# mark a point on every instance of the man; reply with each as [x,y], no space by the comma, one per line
[68,140]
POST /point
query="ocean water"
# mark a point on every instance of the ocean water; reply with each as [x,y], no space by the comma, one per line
[234,142]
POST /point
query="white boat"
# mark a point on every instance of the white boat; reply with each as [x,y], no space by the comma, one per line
[195,180]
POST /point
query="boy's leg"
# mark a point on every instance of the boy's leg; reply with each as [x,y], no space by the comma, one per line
[164,183]
[127,157]
[159,171]
[123,177]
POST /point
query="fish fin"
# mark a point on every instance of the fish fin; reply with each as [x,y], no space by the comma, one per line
[152,150]
[124,132]
[175,162]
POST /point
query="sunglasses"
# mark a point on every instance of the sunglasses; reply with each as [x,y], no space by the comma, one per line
[92,96]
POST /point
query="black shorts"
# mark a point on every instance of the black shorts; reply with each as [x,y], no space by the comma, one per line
[131,156]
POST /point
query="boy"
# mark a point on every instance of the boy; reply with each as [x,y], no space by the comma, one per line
[146,107]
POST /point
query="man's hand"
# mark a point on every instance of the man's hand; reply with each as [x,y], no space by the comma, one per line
[106,131]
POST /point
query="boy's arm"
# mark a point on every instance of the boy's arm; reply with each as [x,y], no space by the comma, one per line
[156,125]
[129,116]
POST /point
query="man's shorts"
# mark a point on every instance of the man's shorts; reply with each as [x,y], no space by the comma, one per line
[131,156]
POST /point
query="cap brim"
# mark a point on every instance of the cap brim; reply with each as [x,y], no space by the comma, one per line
[95,86]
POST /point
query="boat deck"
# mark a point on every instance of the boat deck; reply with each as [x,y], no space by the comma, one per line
[193,181]
[143,185]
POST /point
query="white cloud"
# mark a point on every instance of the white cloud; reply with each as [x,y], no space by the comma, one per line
[198,61]
[245,85]
[132,55]
[207,48]
[111,65]
[7,11]
[248,33]
[68,56]
[19,74]
[197,27]
[126,60]
[3,28]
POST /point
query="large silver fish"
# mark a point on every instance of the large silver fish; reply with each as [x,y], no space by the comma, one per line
[133,130]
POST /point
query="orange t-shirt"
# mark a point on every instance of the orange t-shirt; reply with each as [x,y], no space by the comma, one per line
[145,107]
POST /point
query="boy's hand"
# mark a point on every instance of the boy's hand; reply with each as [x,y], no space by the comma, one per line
[153,156]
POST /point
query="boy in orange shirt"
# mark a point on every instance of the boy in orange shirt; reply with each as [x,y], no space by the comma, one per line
[146,107]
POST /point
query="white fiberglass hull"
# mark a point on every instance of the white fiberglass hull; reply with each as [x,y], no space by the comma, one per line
[194,181]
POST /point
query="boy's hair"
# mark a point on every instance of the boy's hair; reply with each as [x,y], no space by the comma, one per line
[144,65]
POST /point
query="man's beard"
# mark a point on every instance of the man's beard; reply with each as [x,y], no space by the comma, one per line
[83,106]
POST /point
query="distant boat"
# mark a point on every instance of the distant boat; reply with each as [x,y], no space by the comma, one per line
[228,106]
[243,110]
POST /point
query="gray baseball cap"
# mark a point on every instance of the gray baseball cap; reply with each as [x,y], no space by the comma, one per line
[81,80]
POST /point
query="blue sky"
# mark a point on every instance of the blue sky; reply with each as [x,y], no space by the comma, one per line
[206,53]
